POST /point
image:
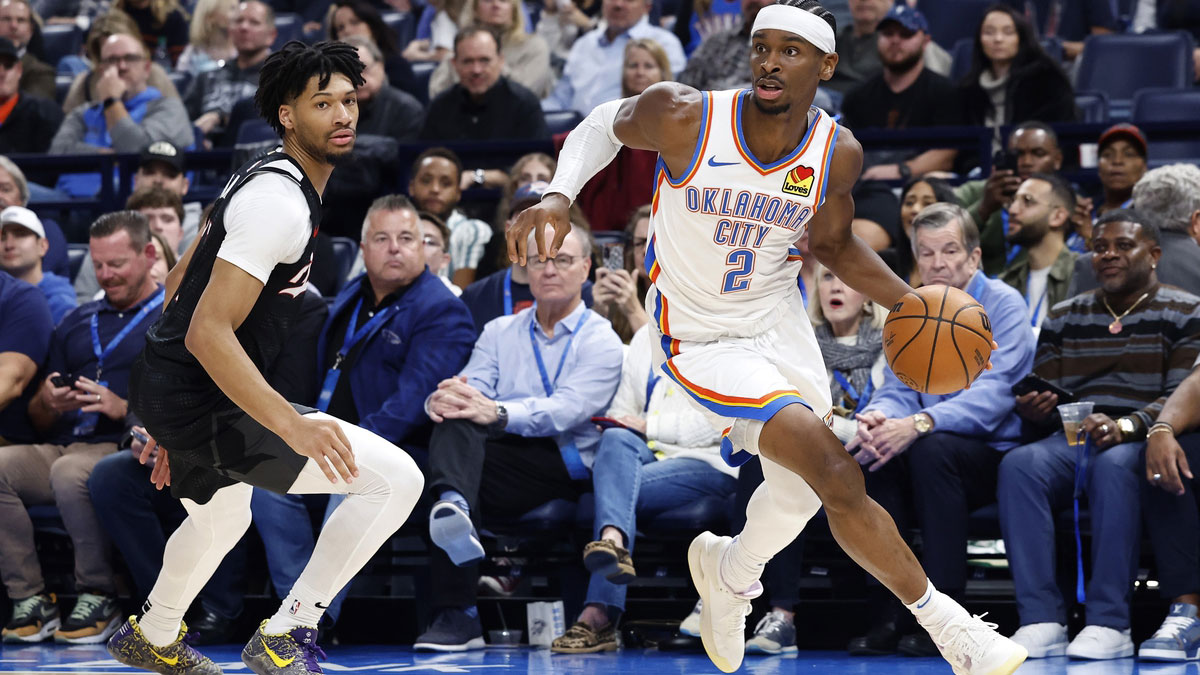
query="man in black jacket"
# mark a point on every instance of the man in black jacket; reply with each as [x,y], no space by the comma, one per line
[383,110]
[484,105]
[27,122]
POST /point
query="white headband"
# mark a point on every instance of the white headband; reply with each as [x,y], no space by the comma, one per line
[798,21]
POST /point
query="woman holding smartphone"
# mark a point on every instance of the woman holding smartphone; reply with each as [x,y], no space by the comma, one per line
[620,291]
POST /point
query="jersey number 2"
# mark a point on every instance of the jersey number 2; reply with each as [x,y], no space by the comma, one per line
[741,262]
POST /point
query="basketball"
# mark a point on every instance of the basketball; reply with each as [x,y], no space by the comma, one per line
[937,339]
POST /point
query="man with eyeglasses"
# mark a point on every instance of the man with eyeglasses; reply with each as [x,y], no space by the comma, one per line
[27,121]
[514,429]
[435,234]
[130,115]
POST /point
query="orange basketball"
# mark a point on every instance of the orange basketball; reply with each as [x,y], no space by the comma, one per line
[937,339]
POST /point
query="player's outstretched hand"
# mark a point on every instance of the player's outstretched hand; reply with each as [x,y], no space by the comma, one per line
[321,440]
[553,210]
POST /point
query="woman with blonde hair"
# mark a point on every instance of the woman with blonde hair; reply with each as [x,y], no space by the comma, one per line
[162,25]
[115,22]
[645,63]
[209,43]
[526,57]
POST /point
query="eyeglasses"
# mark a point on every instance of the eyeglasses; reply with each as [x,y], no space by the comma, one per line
[127,59]
[562,262]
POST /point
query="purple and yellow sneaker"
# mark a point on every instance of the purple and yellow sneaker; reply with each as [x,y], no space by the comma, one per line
[292,653]
[132,648]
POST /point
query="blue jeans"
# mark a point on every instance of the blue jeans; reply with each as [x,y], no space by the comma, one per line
[629,482]
[1036,483]
[138,517]
[283,523]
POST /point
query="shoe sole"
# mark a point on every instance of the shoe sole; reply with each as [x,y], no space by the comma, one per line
[1012,663]
[46,631]
[608,647]
[1170,655]
[1048,652]
[1123,654]
[610,566]
[752,648]
[455,535]
[474,643]
[700,581]
[108,631]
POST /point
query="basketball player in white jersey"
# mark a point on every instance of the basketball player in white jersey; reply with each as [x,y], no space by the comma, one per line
[742,175]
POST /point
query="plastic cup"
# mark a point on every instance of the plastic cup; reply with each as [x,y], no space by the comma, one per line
[1073,415]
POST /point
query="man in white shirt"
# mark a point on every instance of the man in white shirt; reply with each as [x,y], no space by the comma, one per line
[592,74]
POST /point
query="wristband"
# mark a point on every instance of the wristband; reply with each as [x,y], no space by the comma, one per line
[110,102]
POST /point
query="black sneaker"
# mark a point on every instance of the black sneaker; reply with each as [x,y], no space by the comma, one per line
[918,644]
[452,631]
[94,619]
[33,619]
[881,640]
[209,628]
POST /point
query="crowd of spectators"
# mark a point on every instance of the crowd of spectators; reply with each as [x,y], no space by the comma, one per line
[516,385]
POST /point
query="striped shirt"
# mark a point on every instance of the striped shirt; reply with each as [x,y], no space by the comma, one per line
[468,237]
[1131,372]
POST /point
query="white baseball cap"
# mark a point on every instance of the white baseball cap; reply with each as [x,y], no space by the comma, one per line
[19,215]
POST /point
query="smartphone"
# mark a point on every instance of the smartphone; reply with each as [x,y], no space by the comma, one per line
[64,380]
[1005,160]
[614,256]
[1032,382]
[139,435]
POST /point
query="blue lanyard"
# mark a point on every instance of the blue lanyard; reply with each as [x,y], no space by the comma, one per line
[803,290]
[508,292]
[154,303]
[1012,252]
[860,402]
[353,337]
[1083,455]
[1033,319]
[547,383]
[651,382]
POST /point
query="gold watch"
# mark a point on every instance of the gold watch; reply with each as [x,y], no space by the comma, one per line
[1127,427]
[923,423]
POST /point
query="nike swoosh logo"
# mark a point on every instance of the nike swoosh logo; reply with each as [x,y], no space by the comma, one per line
[320,606]
[712,161]
[170,662]
[922,605]
[279,663]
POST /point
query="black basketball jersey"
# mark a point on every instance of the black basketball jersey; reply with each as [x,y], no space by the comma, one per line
[171,392]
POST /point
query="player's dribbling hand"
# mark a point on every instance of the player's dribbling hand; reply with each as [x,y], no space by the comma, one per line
[321,440]
[554,209]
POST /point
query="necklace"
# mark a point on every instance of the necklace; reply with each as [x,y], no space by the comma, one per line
[1115,327]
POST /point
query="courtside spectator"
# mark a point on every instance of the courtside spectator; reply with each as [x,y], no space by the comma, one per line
[163,211]
[383,110]
[858,50]
[356,17]
[435,236]
[1122,163]
[720,61]
[163,25]
[592,75]
[85,88]
[916,194]
[1038,218]
[209,43]
[620,291]
[434,187]
[15,191]
[1124,347]
[25,329]
[211,97]
[17,24]
[23,246]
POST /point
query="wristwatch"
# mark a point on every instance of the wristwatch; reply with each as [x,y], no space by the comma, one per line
[110,102]
[501,416]
[479,176]
[1128,428]
[905,170]
[923,423]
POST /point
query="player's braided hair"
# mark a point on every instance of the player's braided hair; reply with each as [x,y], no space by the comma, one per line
[286,73]
[814,7]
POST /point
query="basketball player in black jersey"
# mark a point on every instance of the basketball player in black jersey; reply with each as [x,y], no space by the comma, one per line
[219,427]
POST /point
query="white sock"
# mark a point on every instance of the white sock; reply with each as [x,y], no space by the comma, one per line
[934,607]
[740,568]
[160,624]
[298,609]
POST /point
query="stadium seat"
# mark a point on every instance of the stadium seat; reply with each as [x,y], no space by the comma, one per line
[1092,106]
[181,79]
[404,25]
[344,252]
[1054,47]
[1121,64]
[562,121]
[62,84]
[960,58]
[1168,105]
[47,519]
[288,26]
[953,20]
[61,40]
[75,255]
[255,131]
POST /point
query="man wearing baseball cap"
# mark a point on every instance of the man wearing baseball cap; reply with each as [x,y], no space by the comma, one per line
[23,244]
[27,122]
[904,95]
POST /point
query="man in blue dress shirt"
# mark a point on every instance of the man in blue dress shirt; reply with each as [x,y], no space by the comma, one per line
[513,429]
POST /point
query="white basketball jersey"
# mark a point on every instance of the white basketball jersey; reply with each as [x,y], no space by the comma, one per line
[722,250]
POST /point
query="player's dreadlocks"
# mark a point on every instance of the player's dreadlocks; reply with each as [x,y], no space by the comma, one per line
[814,7]
[286,73]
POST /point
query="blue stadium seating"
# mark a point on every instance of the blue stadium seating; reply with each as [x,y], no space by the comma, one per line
[1168,105]
[181,79]
[404,25]
[255,131]
[61,40]
[422,71]
[62,84]
[952,20]
[960,58]
[288,26]
[1093,106]
[344,251]
[1121,64]
[562,121]
[75,256]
